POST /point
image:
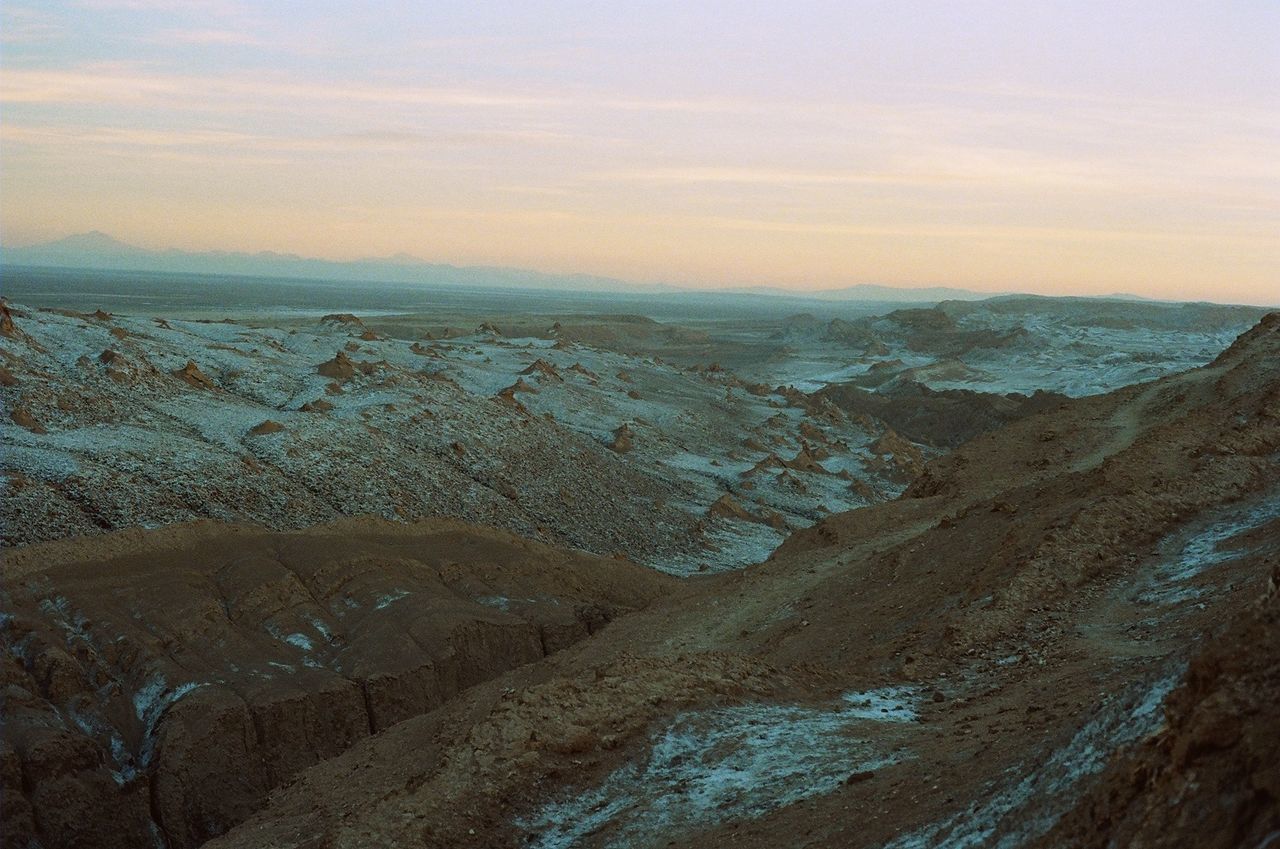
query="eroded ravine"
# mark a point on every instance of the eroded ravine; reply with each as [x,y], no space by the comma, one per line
[1010,604]
[170,691]
[1017,613]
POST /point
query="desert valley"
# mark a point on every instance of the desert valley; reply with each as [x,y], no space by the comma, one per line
[667,425]
[636,570]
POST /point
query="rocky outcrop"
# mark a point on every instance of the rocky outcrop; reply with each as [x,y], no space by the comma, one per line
[189,374]
[543,368]
[939,418]
[806,460]
[339,368]
[623,439]
[7,328]
[266,427]
[1211,776]
[22,417]
[895,457]
[174,678]
[726,507]
[342,318]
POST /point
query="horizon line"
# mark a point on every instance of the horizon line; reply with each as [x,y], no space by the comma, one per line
[641,287]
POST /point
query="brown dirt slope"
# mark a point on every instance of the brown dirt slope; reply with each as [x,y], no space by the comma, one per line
[1211,777]
[166,681]
[1024,584]
[941,418]
[1022,587]
[1025,516]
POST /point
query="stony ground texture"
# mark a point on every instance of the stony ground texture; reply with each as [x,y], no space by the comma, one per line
[1029,646]
[1006,599]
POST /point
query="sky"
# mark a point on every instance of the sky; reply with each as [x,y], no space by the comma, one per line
[1063,148]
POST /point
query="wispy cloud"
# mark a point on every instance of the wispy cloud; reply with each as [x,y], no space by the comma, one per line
[104,88]
[227,145]
[765,177]
[225,7]
[119,136]
[25,25]
[695,106]
[220,37]
[124,86]
[771,142]
[1004,233]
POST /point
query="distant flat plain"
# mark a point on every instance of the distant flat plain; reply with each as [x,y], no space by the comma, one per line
[242,297]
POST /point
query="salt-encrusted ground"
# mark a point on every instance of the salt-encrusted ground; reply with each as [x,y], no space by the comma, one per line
[105,430]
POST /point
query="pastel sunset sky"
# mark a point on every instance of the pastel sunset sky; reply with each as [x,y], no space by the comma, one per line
[1074,147]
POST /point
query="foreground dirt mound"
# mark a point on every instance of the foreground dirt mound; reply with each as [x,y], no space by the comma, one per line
[163,683]
[1211,777]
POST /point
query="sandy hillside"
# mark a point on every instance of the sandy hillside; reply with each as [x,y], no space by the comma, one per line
[1044,628]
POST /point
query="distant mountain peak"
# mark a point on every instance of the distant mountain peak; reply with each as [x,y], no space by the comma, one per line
[95,239]
[94,243]
[404,258]
[98,250]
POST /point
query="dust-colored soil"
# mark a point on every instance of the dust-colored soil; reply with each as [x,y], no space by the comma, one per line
[304,421]
[941,418]
[1021,612]
[1211,776]
[169,680]
[1011,589]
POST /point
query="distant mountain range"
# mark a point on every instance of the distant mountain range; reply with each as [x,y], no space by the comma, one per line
[98,250]
[873,292]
